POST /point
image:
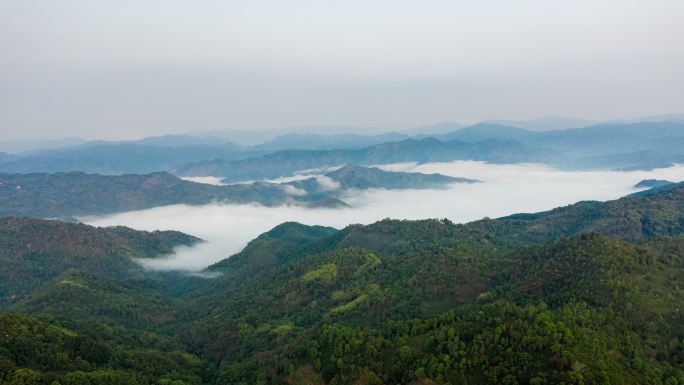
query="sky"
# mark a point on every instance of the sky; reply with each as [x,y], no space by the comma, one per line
[130,68]
[227,228]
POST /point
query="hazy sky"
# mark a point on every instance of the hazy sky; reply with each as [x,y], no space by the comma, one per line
[129,68]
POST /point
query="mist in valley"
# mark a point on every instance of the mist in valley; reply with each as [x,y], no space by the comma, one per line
[504,190]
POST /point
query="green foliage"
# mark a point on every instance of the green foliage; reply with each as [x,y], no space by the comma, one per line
[325,274]
[357,177]
[33,252]
[497,301]
[48,351]
[73,194]
[78,295]
[586,294]
[635,217]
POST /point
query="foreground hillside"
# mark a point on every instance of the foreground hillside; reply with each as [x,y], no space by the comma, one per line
[35,251]
[591,293]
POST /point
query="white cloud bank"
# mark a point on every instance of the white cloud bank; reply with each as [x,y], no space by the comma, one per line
[507,189]
[212,180]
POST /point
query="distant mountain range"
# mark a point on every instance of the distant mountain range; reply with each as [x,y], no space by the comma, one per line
[117,158]
[164,153]
[616,145]
[69,195]
[326,142]
[641,145]
[284,163]
[434,129]
[547,123]
[260,136]
[550,123]
[593,140]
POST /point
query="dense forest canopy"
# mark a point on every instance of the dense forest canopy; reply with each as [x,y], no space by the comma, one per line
[590,293]
[76,194]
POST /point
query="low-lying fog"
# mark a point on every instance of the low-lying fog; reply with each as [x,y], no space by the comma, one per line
[506,189]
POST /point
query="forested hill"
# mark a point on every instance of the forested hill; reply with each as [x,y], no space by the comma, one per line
[79,194]
[655,213]
[357,177]
[66,195]
[590,293]
[652,183]
[35,251]
[534,298]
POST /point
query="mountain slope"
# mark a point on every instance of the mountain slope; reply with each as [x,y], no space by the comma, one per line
[68,195]
[375,301]
[484,131]
[635,217]
[590,293]
[46,350]
[79,194]
[547,123]
[78,295]
[352,176]
[361,178]
[34,252]
[653,183]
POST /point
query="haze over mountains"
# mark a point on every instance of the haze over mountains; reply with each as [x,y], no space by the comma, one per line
[295,192]
[69,195]
[613,145]
[585,293]
[606,146]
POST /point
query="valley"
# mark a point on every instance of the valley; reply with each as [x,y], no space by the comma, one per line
[390,302]
[491,254]
[341,193]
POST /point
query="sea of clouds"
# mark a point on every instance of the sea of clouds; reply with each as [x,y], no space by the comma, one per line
[505,190]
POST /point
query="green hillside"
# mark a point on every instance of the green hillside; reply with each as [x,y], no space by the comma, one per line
[35,251]
[79,295]
[76,194]
[591,293]
[47,350]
